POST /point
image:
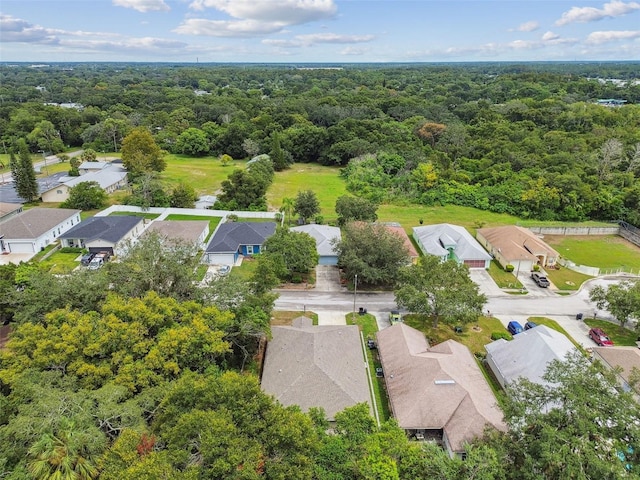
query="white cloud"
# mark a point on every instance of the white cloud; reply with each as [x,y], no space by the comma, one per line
[333,38]
[221,28]
[353,51]
[143,5]
[549,36]
[615,8]
[596,38]
[288,12]
[254,18]
[528,26]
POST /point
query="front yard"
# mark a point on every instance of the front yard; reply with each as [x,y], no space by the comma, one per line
[619,335]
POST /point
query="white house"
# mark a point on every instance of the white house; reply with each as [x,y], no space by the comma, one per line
[32,230]
[110,179]
[451,242]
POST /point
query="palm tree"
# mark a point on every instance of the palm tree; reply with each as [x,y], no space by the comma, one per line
[287,208]
[64,456]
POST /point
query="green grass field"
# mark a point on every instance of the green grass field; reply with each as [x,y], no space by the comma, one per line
[503,278]
[606,251]
[566,279]
[60,263]
[204,174]
[324,181]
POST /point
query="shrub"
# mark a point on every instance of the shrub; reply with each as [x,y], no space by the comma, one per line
[499,335]
[232,217]
[319,219]
[296,278]
[509,268]
[536,268]
[71,250]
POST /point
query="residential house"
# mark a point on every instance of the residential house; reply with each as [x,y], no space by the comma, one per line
[325,236]
[451,242]
[110,179]
[316,366]
[625,361]
[396,229]
[104,234]
[205,202]
[194,232]
[436,392]
[90,167]
[527,355]
[231,240]
[7,210]
[32,230]
[517,246]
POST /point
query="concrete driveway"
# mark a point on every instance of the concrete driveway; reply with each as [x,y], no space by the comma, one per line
[15,258]
[332,317]
[487,285]
[328,279]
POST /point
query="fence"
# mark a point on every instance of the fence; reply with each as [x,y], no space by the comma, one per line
[576,230]
[165,212]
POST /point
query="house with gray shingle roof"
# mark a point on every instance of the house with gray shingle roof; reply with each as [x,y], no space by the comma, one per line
[110,179]
[451,242]
[9,209]
[32,230]
[231,240]
[104,234]
[436,391]
[324,235]
[316,366]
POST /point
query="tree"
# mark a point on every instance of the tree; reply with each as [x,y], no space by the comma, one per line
[441,290]
[431,131]
[23,173]
[306,205]
[296,249]
[141,154]
[621,299]
[46,137]
[86,196]
[351,208]
[193,141]
[277,154]
[575,425]
[183,196]
[147,191]
[89,155]
[287,207]
[372,252]
[246,189]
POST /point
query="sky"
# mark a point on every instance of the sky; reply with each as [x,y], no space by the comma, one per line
[326,31]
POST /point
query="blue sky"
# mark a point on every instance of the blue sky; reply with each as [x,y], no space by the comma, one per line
[318,30]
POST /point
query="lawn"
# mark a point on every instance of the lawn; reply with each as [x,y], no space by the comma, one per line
[566,279]
[619,335]
[602,251]
[285,317]
[60,263]
[503,278]
[369,326]
[475,336]
[324,181]
[204,174]
[148,216]
[246,270]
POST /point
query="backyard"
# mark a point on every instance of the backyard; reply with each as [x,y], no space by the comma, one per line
[204,174]
[603,251]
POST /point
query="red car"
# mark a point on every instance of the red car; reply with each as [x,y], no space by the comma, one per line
[601,338]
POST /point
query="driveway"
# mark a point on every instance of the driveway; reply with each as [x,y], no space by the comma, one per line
[15,258]
[328,279]
[332,317]
[487,285]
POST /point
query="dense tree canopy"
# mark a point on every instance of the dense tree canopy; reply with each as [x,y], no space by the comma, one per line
[86,196]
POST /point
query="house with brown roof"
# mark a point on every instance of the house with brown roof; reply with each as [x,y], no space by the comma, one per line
[316,366]
[625,361]
[193,232]
[436,392]
[396,229]
[7,210]
[32,230]
[513,245]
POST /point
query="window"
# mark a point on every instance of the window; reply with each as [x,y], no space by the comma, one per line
[59,192]
[249,249]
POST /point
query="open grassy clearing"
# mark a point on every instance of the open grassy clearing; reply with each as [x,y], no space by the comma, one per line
[503,278]
[204,174]
[619,335]
[60,263]
[602,251]
[286,317]
[369,326]
[566,279]
[324,181]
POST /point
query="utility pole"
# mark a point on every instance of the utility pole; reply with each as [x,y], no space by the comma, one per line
[355,291]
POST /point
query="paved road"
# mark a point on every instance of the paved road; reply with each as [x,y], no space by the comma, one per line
[38,166]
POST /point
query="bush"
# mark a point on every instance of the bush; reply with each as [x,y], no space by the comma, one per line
[499,335]
[296,278]
[509,268]
[71,250]
[536,268]
[232,217]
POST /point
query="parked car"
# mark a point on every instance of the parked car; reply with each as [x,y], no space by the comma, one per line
[601,338]
[394,316]
[530,325]
[371,344]
[98,260]
[86,258]
[540,280]
[224,270]
[514,327]
[379,372]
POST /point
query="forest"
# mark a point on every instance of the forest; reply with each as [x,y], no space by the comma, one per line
[525,139]
[139,372]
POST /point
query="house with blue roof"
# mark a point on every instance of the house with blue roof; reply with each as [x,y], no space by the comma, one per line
[233,240]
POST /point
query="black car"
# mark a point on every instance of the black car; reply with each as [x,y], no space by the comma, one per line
[371,344]
[86,258]
[530,325]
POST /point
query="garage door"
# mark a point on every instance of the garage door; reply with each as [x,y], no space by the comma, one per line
[474,263]
[20,247]
[100,249]
[221,258]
